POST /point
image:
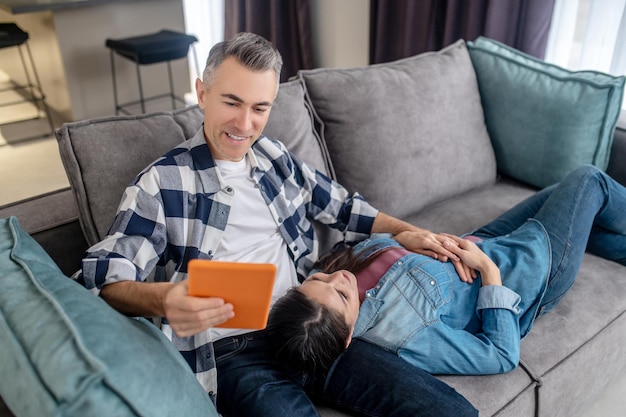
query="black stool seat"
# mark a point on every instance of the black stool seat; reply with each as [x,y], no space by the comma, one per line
[11,35]
[162,46]
[165,45]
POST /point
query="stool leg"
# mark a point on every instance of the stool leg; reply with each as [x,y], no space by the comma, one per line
[46,109]
[143,106]
[35,87]
[195,58]
[117,107]
[29,87]
[169,74]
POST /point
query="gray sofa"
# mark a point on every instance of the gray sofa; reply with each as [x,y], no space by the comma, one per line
[445,140]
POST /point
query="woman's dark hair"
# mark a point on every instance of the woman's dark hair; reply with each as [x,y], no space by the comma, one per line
[306,334]
[342,257]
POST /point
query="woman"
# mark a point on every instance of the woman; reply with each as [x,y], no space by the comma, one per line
[522,264]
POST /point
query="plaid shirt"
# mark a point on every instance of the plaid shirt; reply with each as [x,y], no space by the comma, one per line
[177,209]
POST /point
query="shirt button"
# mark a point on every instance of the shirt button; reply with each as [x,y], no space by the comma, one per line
[295,249]
[432,282]
[399,262]
[280,220]
[229,189]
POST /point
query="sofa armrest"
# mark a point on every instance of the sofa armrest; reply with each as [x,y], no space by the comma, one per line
[617,161]
[52,220]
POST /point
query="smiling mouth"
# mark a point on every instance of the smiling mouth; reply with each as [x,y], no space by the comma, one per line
[237,138]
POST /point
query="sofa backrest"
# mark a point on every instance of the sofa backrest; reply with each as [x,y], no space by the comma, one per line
[102,156]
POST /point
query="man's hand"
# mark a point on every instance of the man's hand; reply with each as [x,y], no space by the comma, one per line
[427,243]
[424,242]
[435,245]
[189,315]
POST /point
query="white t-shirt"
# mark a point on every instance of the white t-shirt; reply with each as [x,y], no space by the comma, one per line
[251,234]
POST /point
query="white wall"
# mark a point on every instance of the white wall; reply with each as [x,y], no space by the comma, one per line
[340,33]
[82,33]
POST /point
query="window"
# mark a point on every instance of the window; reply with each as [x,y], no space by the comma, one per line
[205,20]
[589,35]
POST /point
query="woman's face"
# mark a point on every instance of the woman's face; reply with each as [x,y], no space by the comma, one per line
[337,291]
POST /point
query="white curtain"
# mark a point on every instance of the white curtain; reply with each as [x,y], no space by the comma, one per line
[205,20]
[589,35]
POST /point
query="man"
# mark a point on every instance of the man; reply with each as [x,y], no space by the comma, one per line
[229,193]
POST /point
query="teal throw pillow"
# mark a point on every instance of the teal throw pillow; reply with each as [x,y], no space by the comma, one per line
[544,120]
[65,352]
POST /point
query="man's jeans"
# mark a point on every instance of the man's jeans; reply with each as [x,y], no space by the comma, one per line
[365,381]
[587,210]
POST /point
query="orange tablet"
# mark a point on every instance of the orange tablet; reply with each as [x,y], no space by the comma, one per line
[247,286]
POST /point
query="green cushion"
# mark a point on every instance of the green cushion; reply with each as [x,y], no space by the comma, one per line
[64,351]
[544,120]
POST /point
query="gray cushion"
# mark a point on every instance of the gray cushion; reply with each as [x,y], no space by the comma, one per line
[292,121]
[408,133]
[544,120]
[65,352]
[102,156]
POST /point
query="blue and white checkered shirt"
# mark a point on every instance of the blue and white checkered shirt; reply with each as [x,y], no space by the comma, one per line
[178,207]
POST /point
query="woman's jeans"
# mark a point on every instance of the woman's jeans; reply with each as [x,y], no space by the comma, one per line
[364,381]
[585,211]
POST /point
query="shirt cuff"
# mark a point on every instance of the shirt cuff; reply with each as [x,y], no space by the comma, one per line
[498,296]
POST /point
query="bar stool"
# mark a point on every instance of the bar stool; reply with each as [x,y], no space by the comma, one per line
[12,35]
[163,46]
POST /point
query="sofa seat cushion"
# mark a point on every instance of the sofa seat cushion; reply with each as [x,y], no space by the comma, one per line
[544,120]
[582,336]
[515,392]
[468,211]
[66,352]
[408,133]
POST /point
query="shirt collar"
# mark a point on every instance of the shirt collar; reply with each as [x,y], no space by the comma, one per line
[204,163]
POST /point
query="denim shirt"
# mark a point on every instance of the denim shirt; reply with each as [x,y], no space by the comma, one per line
[424,313]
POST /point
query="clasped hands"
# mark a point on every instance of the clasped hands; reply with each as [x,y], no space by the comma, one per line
[466,256]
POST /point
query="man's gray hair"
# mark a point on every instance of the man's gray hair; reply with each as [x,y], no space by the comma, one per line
[252,51]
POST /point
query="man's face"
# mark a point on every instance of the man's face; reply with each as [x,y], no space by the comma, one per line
[236,108]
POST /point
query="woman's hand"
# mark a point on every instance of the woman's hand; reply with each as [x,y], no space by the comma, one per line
[437,246]
[473,257]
